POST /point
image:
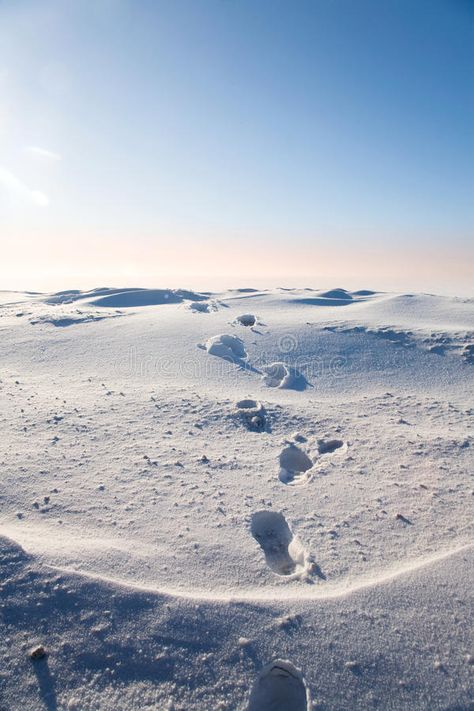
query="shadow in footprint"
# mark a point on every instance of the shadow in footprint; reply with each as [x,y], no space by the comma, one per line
[253,415]
[284,376]
[329,446]
[318,572]
[46,689]
[284,553]
[246,320]
[279,687]
[295,466]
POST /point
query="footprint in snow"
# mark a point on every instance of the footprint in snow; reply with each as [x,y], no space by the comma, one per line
[280,686]
[283,376]
[329,446]
[295,466]
[283,551]
[248,320]
[252,413]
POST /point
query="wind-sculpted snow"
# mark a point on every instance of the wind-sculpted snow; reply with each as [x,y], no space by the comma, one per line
[226,346]
[146,297]
[115,647]
[288,493]
[125,298]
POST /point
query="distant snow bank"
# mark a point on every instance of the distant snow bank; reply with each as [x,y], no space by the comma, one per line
[126,298]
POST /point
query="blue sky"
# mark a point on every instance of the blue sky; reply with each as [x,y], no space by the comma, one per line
[142,141]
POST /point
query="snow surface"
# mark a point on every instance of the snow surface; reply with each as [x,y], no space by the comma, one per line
[180,533]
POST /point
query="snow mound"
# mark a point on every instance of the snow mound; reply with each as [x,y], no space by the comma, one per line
[284,376]
[246,290]
[146,297]
[337,294]
[125,298]
[70,296]
[227,347]
[364,292]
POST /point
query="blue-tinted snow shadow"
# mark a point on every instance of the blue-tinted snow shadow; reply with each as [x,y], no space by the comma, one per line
[322,301]
[46,685]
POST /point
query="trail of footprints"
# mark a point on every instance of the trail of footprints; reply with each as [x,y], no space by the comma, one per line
[284,553]
[280,686]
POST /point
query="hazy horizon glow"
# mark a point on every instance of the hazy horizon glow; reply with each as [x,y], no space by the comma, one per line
[227,142]
[207,266]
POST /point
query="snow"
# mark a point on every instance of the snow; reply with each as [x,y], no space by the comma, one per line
[280,685]
[295,466]
[247,320]
[161,504]
[225,346]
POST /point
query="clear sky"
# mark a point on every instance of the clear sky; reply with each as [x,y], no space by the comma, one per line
[205,142]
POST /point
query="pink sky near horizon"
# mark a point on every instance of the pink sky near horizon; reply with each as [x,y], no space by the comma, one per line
[89,261]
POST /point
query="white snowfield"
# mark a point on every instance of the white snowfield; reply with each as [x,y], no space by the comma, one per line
[251,500]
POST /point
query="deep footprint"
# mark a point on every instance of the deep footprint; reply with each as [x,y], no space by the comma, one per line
[284,553]
[252,414]
[279,687]
[281,375]
[246,320]
[295,466]
[329,446]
